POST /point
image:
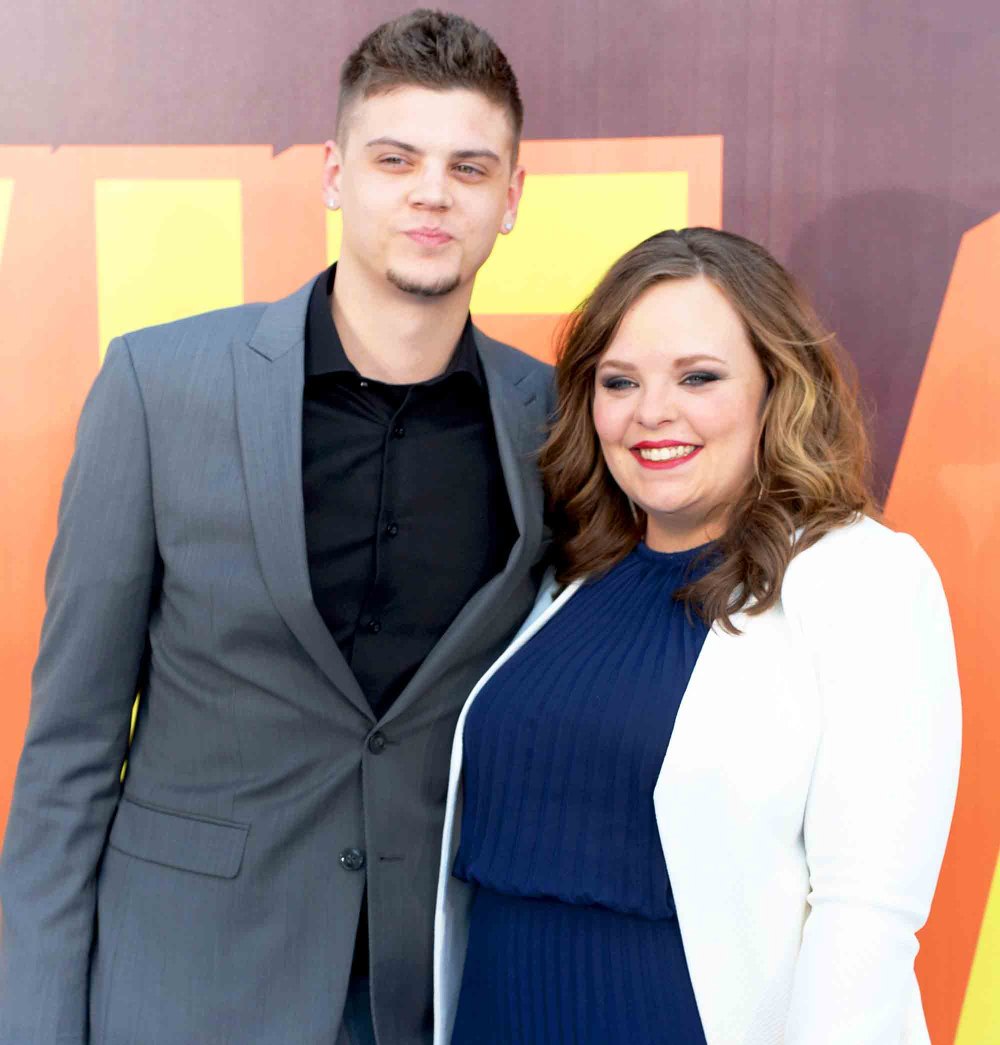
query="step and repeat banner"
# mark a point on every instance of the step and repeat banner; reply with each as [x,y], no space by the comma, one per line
[160,161]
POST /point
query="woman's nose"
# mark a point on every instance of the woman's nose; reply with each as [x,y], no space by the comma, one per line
[657,407]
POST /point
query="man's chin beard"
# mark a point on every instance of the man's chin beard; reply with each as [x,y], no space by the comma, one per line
[437,289]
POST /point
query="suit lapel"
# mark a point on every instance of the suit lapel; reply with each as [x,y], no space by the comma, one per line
[514,408]
[517,411]
[269,383]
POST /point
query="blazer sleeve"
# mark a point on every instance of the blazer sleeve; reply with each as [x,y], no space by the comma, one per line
[98,586]
[874,616]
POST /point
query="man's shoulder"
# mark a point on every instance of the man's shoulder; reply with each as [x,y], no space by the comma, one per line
[217,327]
[518,366]
[511,356]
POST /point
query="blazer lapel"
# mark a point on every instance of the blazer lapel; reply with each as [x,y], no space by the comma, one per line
[517,410]
[269,382]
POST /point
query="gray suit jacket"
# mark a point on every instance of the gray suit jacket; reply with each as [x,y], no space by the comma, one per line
[204,902]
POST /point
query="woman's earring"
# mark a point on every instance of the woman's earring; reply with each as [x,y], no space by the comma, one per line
[507,226]
[332,203]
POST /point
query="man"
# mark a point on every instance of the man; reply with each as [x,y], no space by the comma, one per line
[301,531]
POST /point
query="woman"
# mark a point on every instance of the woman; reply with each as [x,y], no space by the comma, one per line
[707,789]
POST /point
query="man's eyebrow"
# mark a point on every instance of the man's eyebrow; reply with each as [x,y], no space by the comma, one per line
[394,142]
[458,154]
[475,154]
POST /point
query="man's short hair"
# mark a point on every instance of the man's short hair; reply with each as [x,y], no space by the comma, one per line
[432,49]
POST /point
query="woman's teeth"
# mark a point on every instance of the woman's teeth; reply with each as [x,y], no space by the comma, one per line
[665,453]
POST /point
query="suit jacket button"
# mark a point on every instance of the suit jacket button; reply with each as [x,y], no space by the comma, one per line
[352,859]
[376,743]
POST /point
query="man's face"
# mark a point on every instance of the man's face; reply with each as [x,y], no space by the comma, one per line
[426,181]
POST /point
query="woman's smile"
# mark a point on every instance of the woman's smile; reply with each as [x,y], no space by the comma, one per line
[664,455]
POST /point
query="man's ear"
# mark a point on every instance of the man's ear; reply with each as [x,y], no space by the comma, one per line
[332,167]
[515,189]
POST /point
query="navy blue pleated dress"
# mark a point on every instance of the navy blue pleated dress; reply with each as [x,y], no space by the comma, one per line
[573,938]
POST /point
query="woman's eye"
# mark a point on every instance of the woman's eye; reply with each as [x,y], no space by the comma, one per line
[617,384]
[702,377]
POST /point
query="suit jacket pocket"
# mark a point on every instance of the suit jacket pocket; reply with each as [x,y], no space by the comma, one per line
[204,845]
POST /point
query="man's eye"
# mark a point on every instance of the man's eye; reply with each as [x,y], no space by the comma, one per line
[392,161]
[467,169]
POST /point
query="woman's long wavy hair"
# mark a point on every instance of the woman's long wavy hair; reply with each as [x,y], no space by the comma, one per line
[812,463]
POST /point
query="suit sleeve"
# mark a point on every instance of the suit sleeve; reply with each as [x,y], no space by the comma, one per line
[883,789]
[98,587]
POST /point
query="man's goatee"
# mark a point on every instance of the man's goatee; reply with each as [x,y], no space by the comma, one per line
[424,290]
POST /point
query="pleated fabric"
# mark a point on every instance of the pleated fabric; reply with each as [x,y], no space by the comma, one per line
[573,937]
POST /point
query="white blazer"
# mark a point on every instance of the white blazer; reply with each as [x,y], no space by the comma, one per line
[803,805]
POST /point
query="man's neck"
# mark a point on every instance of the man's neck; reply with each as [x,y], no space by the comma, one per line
[392,336]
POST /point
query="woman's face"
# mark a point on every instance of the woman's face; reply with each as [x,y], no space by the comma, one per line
[677,404]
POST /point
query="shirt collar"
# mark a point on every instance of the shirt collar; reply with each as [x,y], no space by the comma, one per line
[324,351]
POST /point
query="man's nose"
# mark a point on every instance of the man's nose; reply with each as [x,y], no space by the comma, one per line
[431,189]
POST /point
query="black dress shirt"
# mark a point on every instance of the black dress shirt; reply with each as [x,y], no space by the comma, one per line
[406,509]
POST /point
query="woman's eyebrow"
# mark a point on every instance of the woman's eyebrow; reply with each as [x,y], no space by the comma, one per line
[680,361]
[698,357]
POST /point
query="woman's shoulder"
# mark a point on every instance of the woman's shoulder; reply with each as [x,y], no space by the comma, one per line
[860,559]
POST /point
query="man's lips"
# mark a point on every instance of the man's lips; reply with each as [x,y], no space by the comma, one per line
[429,237]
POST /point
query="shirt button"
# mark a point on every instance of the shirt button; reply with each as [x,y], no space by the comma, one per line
[392,529]
[399,431]
[362,384]
[374,626]
[376,743]
[352,859]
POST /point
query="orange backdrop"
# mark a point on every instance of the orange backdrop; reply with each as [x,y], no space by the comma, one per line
[64,276]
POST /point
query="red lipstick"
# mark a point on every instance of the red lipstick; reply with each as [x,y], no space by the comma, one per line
[673,462]
[648,444]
